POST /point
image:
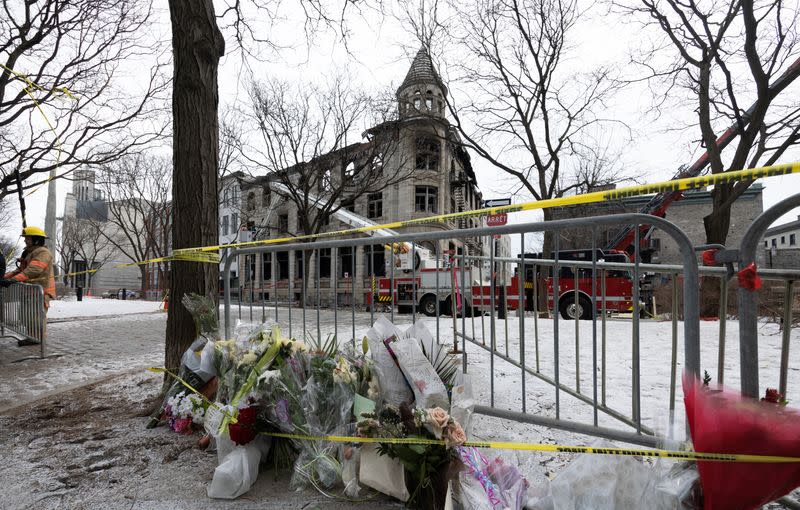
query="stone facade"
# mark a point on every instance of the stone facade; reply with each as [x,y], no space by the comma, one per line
[86,204]
[439,179]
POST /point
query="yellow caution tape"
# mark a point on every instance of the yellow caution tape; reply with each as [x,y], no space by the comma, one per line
[208,254]
[552,448]
[507,445]
[689,183]
[208,258]
[30,87]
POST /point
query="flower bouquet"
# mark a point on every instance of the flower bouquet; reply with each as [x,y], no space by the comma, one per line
[183,412]
[726,422]
[198,362]
[428,467]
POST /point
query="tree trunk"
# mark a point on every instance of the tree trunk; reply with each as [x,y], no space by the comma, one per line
[197,46]
[143,276]
[717,225]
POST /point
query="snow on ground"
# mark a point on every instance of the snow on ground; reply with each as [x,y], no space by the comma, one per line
[655,361]
[98,307]
[655,371]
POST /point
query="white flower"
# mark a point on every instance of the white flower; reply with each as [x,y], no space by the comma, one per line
[374,389]
[299,346]
[248,359]
[269,375]
[342,373]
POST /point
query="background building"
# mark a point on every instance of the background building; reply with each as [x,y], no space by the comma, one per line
[686,213]
[782,246]
[438,179]
[83,243]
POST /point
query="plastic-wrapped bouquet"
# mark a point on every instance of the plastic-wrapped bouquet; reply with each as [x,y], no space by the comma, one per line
[185,411]
[428,468]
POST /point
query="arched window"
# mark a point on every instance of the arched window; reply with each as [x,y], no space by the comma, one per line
[429,100]
[428,153]
[417,99]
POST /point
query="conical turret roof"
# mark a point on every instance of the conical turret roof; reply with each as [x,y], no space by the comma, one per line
[422,72]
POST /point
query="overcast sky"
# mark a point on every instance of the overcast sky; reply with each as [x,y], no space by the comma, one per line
[378,55]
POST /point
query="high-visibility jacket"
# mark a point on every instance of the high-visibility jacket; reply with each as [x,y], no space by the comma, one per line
[36,268]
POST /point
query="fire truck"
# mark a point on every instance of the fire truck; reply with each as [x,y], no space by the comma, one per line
[571,304]
[433,295]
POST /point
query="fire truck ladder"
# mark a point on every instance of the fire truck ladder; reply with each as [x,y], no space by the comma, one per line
[658,205]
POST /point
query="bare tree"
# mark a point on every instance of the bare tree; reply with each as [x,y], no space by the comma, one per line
[723,57]
[81,241]
[324,147]
[137,191]
[522,107]
[63,59]
[197,45]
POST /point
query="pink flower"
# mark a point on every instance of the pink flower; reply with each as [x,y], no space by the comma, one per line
[182,425]
[437,421]
[454,435]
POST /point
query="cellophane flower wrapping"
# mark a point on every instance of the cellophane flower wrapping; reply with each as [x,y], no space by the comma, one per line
[203,310]
[723,421]
[327,402]
[504,486]
[197,363]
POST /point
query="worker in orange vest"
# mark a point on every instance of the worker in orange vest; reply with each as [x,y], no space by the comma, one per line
[35,267]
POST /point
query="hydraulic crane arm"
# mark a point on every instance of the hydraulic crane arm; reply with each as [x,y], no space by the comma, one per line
[657,206]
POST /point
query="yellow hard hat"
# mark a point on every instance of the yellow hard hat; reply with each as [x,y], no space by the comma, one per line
[33,232]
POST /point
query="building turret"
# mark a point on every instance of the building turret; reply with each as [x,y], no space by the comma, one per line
[422,91]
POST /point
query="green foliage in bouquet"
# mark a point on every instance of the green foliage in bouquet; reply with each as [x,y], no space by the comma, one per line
[428,467]
[445,364]
[203,310]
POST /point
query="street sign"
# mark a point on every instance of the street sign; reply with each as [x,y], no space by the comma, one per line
[496,202]
[496,220]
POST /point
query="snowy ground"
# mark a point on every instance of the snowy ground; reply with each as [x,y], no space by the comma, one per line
[98,307]
[86,446]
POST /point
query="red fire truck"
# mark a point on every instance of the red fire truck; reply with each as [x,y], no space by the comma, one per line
[618,285]
[475,297]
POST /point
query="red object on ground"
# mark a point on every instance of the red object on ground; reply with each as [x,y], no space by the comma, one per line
[708,258]
[723,421]
[748,277]
[244,430]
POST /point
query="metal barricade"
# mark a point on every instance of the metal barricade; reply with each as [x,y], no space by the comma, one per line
[749,300]
[22,313]
[292,267]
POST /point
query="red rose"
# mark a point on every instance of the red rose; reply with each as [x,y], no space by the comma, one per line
[773,396]
[244,431]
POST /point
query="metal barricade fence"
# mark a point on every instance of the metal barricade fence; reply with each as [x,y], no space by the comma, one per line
[301,285]
[22,313]
[748,300]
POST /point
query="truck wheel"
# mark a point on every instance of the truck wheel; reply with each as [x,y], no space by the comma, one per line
[569,309]
[428,306]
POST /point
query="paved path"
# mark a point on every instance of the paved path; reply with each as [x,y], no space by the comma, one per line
[80,351]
